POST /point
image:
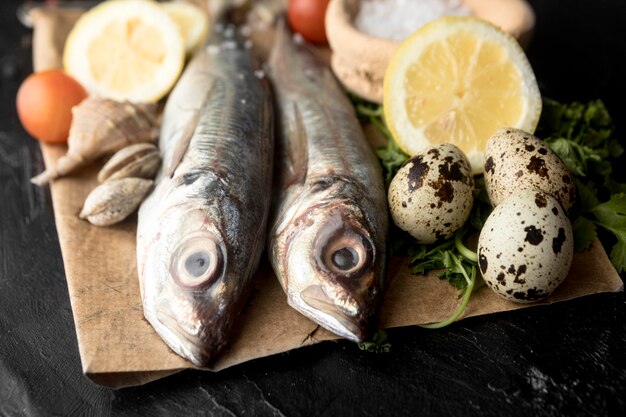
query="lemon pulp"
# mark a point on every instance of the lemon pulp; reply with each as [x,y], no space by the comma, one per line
[124,44]
[125,50]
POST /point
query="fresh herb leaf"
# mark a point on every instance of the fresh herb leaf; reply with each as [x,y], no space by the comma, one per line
[611,216]
[470,279]
[582,135]
[425,258]
[575,156]
[618,253]
[587,124]
[378,344]
[392,159]
[584,233]
[587,195]
[612,213]
[482,206]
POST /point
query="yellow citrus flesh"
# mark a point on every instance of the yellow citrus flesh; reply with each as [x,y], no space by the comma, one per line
[192,22]
[458,80]
[125,50]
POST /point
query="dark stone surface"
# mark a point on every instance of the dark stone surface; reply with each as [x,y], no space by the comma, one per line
[566,359]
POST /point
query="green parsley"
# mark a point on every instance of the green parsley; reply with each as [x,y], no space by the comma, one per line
[582,135]
[378,344]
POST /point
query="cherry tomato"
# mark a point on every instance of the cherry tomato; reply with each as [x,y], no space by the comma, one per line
[44,104]
[307,18]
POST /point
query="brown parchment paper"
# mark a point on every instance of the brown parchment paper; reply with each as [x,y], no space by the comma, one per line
[119,348]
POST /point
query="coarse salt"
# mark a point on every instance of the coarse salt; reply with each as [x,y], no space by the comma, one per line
[397,19]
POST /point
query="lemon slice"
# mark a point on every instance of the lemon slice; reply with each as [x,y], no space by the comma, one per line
[125,50]
[192,22]
[458,80]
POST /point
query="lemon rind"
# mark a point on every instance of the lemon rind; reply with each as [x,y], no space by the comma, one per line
[199,31]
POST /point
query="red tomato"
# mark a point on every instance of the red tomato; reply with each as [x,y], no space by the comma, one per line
[307,18]
[44,104]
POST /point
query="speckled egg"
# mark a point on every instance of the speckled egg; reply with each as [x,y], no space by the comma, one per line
[526,246]
[431,195]
[517,160]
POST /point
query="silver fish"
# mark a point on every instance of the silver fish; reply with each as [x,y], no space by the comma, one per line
[201,232]
[328,230]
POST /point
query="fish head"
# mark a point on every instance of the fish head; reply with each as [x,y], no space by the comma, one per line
[334,270]
[185,285]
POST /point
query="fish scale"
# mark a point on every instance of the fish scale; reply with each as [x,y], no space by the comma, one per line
[201,232]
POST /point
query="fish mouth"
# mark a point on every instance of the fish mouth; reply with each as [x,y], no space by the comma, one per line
[190,346]
[340,316]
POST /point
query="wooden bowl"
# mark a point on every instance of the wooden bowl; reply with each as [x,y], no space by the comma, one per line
[359,60]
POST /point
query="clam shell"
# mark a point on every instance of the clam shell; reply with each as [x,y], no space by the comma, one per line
[140,160]
[113,201]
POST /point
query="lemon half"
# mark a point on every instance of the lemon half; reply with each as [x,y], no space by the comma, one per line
[458,80]
[192,21]
[125,50]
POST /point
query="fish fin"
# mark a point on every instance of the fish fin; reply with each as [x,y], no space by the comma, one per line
[282,50]
[185,137]
[182,143]
[296,150]
[282,31]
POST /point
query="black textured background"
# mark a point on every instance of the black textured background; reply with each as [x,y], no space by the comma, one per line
[567,359]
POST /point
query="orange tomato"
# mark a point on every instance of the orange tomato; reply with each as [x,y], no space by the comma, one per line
[44,104]
[307,18]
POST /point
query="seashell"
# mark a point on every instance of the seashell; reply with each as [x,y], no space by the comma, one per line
[113,201]
[140,160]
[101,126]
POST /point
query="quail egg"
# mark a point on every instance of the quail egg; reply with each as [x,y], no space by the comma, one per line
[517,160]
[431,196]
[526,246]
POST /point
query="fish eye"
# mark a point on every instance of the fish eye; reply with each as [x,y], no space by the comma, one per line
[197,262]
[345,258]
[343,251]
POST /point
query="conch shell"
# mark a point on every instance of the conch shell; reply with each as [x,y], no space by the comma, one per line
[101,126]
